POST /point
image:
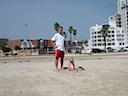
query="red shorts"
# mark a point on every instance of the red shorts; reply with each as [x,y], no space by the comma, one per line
[59,53]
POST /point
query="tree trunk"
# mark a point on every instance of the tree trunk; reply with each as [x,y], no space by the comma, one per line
[70,40]
[105,44]
[74,37]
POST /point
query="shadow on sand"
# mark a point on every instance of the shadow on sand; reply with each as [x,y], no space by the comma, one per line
[80,68]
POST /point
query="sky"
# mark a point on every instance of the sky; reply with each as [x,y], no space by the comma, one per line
[41,15]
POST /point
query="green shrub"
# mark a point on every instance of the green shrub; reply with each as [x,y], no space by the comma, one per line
[17,47]
[6,49]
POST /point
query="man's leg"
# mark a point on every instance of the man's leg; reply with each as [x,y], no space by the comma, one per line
[56,64]
[62,60]
[57,52]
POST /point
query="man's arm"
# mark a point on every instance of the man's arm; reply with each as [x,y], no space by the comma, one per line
[53,44]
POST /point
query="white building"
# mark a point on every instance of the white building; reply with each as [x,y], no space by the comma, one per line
[115,38]
[122,10]
[118,31]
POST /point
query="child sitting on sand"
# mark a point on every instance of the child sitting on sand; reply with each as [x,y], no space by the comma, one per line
[72,66]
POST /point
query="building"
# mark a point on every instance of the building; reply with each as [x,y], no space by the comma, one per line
[115,38]
[48,47]
[122,10]
[3,42]
[29,44]
[35,43]
[13,43]
[118,31]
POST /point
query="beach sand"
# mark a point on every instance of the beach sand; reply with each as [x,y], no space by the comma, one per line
[104,75]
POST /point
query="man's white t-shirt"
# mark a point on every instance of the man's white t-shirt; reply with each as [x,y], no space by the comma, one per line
[59,41]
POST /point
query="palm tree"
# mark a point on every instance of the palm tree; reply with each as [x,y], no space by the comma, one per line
[56,25]
[65,35]
[74,33]
[104,32]
[70,31]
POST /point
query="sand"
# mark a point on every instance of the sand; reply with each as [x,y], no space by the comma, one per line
[104,75]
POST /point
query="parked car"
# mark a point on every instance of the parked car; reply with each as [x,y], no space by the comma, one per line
[97,50]
[109,49]
[121,49]
[125,48]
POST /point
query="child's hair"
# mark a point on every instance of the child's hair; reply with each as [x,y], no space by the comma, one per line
[71,59]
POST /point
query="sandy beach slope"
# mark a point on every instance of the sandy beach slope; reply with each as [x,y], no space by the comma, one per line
[104,75]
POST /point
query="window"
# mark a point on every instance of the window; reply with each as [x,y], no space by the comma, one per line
[109,43]
[113,39]
[120,43]
[99,36]
[99,44]
[99,32]
[113,43]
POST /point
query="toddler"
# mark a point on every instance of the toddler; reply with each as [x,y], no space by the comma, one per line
[72,66]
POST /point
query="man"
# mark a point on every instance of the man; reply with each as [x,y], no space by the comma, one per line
[58,43]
